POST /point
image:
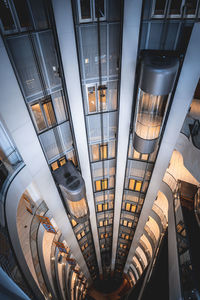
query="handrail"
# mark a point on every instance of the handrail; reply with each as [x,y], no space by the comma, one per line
[160,214]
[170,181]
[41,209]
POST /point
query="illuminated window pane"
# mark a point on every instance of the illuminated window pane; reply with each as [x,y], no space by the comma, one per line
[78,236]
[86,245]
[54,165]
[101,223]
[99,207]
[39,118]
[83,233]
[48,109]
[136,154]
[73,222]
[138,186]
[127,237]
[123,235]
[82,248]
[105,222]
[92,99]
[130,224]
[110,205]
[95,152]
[106,235]
[128,206]
[121,245]
[62,161]
[145,157]
[98,185]
[104,151]
[104,183]
[102,99]
[105,206]
[131,184]
[133,208]
[125,223]
[102,246]
[102,236]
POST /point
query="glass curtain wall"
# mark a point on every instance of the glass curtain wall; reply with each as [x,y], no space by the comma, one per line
[98,31]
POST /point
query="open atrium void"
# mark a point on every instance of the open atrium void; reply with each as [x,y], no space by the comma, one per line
[99,149]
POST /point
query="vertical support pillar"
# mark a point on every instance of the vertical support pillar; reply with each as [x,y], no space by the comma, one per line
[67,41]
[131,27]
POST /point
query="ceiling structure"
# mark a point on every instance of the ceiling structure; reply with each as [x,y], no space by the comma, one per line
[72,79]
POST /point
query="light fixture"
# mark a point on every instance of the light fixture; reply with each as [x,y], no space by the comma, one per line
[157,77]
[72,188]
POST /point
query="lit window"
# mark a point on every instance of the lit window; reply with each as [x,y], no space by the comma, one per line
[102,246]
[123,235]
[144,157]
[104,151]
[92,98]
[101,223]
[130,224]
[83,233]
[99,207]
[74,223]
[98,185]
[102,236]
[102,97]
[105,222]
[125,223]
[106,235]
[54,166]
[49,113]
[78,236]
[105,206]
[133,208]
[136,154]
[128,206]
[62,161]
[131,184]
[104,184]
[127,237]
[38,116]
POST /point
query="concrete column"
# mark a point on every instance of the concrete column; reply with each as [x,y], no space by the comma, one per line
[131,27]
[15,116]
[188,79]
[67,41]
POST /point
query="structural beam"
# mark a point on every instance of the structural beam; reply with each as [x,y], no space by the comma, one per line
[67,41]
[131,27]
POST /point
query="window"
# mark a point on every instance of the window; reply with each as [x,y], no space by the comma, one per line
[97,101]
[74,223]
[135,185]
[100,223]
[130,224]
[101,184]
[175,7]
[99,207]
[90,10]
[159,7]
[59,163]
[191,6]
[23,13]
[99,151]
[140,156]
[45,114]
[6,17]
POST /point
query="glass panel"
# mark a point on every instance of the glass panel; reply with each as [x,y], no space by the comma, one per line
[133,207]
[6,16]
[138,186]
[22,54]
[104,151]
[102,98]
[131,184]
[59,107]
[159,7]
[101,223]
[62,161]
[114,49]
[145,157]
[38,116]
[112,94]
[95,152]
[77,208]
[128,206]
[98,185]
[99,207]
[125,223]
[54,166]
[73,222]
[99,9]
[136,154]
[92,99]
[104,184]
[150,114]
[48,109]
[175,7]
[130,224]
[105,206]
[39,14]
[85,9]
[191,7]
[23,13]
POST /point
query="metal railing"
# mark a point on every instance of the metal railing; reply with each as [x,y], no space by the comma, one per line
[160,214]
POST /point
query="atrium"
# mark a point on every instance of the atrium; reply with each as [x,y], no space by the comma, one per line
[99,149]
